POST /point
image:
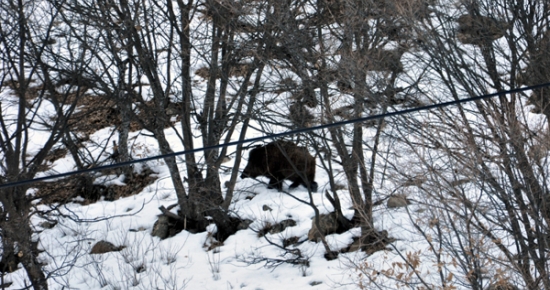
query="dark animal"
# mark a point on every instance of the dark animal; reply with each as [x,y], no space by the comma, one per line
[282,160]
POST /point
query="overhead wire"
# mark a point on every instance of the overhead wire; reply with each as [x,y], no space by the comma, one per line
[275,135]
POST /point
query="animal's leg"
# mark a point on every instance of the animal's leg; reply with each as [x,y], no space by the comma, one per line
[313,186]
[274,183]
[295,183]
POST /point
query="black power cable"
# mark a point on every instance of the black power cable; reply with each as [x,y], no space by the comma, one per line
[277,135]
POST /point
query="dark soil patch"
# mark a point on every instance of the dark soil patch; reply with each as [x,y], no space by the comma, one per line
[93,112]
[31,93]
[97,112]
[35,91]
[67,190]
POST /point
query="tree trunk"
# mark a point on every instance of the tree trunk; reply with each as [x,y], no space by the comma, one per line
[17,242]
[175,175]
[123,152]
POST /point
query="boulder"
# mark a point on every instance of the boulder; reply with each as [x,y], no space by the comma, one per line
[103,247]
[328,225]
[397,201]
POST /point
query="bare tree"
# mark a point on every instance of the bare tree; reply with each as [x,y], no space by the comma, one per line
[343,62]
[144,55]
[481,167]
[29,83]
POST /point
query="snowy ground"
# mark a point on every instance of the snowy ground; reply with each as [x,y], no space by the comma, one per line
[244,261]
[183,261]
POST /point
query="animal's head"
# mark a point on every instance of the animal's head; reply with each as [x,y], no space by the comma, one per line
[256,163]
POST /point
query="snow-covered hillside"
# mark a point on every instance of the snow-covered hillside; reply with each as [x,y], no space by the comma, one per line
[455,197]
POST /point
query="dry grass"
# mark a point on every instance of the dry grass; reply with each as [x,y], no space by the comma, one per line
[94,113]
[66,190]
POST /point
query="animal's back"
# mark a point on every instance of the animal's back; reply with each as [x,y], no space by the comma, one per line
[289,157]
